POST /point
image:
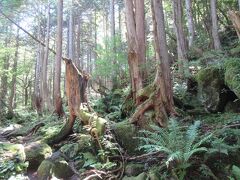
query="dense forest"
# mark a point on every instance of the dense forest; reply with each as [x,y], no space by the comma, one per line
[120,89]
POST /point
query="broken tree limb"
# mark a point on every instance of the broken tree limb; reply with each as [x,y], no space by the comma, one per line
[93,120]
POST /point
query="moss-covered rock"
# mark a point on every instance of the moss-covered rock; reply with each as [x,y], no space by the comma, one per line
[232,75]
[45,170]
[36,152]
[56,166]
[61,169]
[233,106]
[125,133]
[12,160]
[211,82]
[133,169]
[70,150]
[84,144]
[11,151]
[142,176]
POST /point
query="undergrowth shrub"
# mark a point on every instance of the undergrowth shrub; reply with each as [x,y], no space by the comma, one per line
[178,144]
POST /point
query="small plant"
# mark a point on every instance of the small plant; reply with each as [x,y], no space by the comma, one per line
[8,168]
[177,144]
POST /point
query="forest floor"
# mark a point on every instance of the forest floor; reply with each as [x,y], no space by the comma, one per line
[26,153]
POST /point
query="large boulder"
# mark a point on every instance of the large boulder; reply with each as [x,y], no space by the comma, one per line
[125,133]
[133,169]
[36,152]
[142,176]
[83,144]
[233,106]
[232,75]
[211,82]
[55,166]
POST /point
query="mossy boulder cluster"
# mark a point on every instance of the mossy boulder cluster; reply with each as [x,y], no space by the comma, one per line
[59,164]
[36,152]
[12,159]
[232,75]
[219,86]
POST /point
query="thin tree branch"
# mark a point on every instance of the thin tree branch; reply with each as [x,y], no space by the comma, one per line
[32,36]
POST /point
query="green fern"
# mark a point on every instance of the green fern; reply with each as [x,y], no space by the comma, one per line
[178,145]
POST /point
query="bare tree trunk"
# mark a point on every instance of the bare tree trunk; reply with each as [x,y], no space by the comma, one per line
[133,51]
[112,24]
[71,34]
[215,35]
[158,95]
[78,42]
[14,78]
[238,5]
[235,18]
[38,70]
[181,44]
[163,76]
[140,31]
[191,28]
[57,77]
[4,77]
[45,90]
[119,20]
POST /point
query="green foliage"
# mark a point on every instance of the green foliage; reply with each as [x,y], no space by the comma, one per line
[236,172]
[12,167]
[110,106]
[232,74]
[178,145]
[110,63]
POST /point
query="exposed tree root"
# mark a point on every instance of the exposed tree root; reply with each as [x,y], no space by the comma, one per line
[19,132]
[151,98]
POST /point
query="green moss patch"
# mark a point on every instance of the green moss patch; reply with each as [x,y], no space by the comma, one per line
[232,74]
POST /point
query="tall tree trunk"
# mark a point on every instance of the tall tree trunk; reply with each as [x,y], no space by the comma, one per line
[238,5]
[215,35]
[57,77]
[38,70]
[191,28]
[71,34]
[115,80]
[119,19]
[4,77]
[158,95]
[45,90]
[163,76]
[78,42]
[133,51]
[14,78]
[235,18]
[140,31]
[181,44]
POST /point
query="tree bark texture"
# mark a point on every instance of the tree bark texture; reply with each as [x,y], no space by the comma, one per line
[76,86]
[14,77]
[45,91]
[140,31]
[215,35]
[133,51]
[158,95]
[235,18]
[181,41]
[4,77]
[190,22]
[57,76]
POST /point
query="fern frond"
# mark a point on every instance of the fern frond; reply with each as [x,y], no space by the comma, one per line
[189,154]
[203,140]
[191,135]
